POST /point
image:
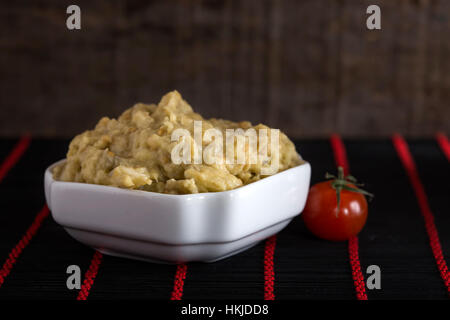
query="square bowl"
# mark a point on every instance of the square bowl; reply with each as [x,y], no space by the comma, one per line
[177,228]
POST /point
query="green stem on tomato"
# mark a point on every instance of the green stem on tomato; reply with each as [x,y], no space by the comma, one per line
[342,182]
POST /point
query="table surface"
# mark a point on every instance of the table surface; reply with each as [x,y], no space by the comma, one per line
[394,237]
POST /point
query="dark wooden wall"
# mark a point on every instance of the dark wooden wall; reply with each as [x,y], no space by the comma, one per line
[307,67]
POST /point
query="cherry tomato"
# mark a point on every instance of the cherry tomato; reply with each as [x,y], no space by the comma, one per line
[325,219]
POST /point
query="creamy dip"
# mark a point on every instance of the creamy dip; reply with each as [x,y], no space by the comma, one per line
[134,152]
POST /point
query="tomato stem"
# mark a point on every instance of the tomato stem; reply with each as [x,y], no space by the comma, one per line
[342,182]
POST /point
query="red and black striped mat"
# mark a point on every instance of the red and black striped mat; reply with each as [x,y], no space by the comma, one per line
[407,235]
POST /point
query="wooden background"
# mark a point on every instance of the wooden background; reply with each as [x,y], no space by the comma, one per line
[307,67]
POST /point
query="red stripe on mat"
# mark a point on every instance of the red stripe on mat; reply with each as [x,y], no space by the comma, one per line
[22,244]
[340,157]
[444,144]
[401,146]
[14,156]
[180,276]
[90,275]
[269,272]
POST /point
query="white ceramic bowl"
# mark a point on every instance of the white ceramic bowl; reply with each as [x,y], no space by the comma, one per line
[177,228]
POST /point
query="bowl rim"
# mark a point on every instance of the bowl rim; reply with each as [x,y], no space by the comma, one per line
[49,174]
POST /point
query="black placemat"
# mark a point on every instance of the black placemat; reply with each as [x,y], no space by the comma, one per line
[305,267]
